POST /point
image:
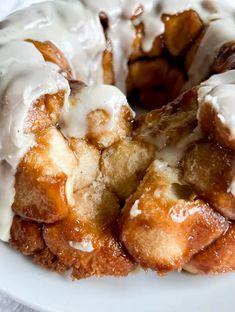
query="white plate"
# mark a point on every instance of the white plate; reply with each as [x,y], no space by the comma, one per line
[140,292]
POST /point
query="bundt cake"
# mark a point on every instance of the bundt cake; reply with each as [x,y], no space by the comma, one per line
[91,187]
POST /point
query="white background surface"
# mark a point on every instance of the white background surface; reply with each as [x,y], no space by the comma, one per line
[139,292]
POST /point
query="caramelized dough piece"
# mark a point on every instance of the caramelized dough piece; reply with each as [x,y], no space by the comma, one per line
[49,261]
[107,59]
[163,224]
[170,123]
[88,157]
[102,138]
[107,64]
[215,130]
[26,237]
[52,54]
[209,169]
[137,48]
[217,258]
[123,165]
[156,97]
[225,60]
[44,179]
[181,30]
[147,73]
[174,82]
[44,112]
[137,43]
[86,240]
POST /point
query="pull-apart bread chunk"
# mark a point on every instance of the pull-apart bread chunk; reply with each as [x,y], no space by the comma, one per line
[217,105]
[88,159]
[219,257]
[59,185]
[124,164]
[209,169]
[86,240]
[99,114]
[163,224]
[185,26]
[44,112]
[44,179]
[26,236]
[169,124]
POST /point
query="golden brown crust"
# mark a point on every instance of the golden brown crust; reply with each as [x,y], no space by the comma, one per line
[147,73]
[162,225]
[69,188]
[169,124]
[49,261]
[107,258]
[209,169]
[90,223]
[41,185]
[217,258]
[181,30]
[225,60]
[45,112]
[26,237]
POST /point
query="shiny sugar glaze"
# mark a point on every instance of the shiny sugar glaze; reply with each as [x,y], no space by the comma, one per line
[75,28]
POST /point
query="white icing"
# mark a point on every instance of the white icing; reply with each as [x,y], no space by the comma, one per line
[135,211]
[121,30]
[17,97]
[24,77]
[85,245]
[231,188]
[74,29]
[105,97]
[218,33]
[219,91]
